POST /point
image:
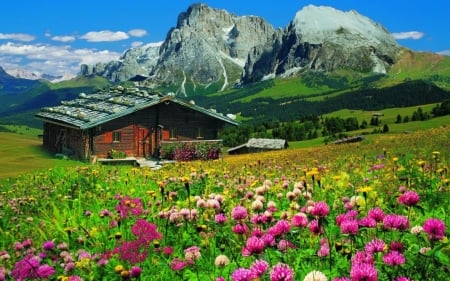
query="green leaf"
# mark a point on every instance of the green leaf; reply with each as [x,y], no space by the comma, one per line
[442,258]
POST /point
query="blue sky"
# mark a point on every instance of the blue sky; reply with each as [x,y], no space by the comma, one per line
[56,37]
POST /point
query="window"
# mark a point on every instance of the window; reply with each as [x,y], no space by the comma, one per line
[108,137]
[116,136]
[200,133]
[173,133]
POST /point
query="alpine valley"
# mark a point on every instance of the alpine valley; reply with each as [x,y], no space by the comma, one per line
[323,61]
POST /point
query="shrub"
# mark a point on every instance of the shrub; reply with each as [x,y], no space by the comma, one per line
[188,151]
[115,154]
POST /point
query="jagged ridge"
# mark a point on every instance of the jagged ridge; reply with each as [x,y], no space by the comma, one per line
[213,47]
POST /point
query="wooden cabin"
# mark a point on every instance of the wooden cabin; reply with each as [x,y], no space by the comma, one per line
[132,121]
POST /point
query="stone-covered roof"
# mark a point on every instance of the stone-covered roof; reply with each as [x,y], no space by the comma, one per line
[261,144]
[349,139]
[90,110]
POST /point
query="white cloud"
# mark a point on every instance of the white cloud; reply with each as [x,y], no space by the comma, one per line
[55,60]
[66,38]
[408,35]
[17,36]
[136,44]
[137,32]
[445,52]
[104,36]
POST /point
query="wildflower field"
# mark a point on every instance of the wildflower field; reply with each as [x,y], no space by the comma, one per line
[376,210]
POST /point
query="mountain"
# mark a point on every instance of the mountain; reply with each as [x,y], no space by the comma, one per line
[211,50]
[19,108]
[24,74]
[21,73]
[323,60]
[207,47]
[324,39]
[135,61]
[9,85]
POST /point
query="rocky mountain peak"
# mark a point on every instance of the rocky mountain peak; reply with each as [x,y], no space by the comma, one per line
[319,24]
[209,46]
[324,39]
[135,61]
[211,49]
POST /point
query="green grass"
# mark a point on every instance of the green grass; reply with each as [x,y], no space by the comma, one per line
[21,130]
[316,86]
[419,65]
[388,115]
[22,151]
[22,154]
[284,88]
[82,81]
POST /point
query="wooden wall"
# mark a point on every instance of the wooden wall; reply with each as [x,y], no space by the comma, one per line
[187,123]
[65,140]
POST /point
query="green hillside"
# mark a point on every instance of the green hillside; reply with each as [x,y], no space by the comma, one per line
[22,154]
[20,109]
[415,79]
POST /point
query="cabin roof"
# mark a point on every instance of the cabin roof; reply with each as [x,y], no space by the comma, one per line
[90,110]
[261,143]
[349,139]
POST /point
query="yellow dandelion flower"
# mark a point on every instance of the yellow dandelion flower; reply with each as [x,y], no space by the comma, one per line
[395,159]
[93,231]
[254,183]
[125,274]
[119,268]
[83,263]
[365,189]
[204,242]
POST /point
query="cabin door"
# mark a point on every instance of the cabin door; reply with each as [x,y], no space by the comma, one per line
[143,138]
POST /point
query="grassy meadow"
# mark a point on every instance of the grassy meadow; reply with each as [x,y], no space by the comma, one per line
[375,210]
[22,153]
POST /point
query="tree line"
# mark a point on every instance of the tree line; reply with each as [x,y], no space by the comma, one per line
[314,126]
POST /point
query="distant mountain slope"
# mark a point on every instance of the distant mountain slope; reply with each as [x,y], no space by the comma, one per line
[10,85]
[24,74]
[20,108]
[263,108]
[420,65]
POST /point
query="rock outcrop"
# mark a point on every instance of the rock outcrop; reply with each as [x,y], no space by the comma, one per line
[209,46]
[211,49]
[135,61]
[324,39]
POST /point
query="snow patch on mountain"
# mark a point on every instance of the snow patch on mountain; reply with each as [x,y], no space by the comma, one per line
[319,23]
[24,74]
